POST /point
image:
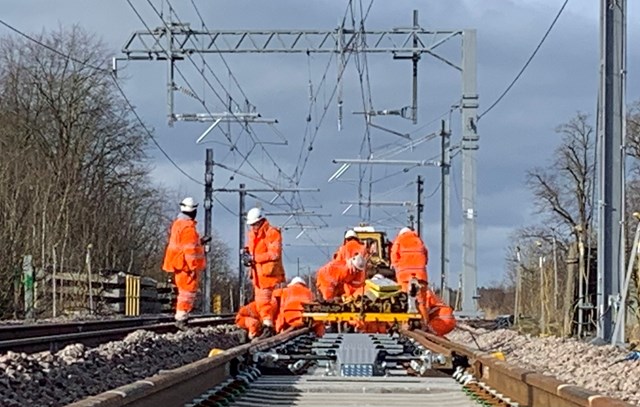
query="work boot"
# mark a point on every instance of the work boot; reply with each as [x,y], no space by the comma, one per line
[181,318]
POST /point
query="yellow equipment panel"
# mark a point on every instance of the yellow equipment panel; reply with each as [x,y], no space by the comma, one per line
[217,304]
[356,316]
[373,285]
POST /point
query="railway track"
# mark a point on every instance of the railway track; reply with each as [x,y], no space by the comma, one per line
[294,368]
[52,337]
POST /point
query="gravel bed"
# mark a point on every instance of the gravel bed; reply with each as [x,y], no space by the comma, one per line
[65,318]
[75,372]
[583,364]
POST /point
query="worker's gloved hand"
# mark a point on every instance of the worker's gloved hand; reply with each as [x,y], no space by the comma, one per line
[347,298]
[247,258]
[205,239]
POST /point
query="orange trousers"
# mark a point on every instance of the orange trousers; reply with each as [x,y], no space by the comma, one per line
[248,320]
[441,320]
[187,283]
[266,307]
[293,319]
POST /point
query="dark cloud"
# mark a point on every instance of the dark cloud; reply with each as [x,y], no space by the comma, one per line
[517,135]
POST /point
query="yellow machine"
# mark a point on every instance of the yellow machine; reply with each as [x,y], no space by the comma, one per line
[378,249]
[382,302]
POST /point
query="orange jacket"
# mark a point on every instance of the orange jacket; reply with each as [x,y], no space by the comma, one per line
[184,251]
[292,305]
[355,284]
[265,245]
[349,249]
[334,279]
[409,257]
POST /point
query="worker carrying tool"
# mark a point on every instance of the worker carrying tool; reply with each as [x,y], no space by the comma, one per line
[350,247]
[441,318]
[292,301]
[409,258]
[263,255]
[185,258]
[341,277]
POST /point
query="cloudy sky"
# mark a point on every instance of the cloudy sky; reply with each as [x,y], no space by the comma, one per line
[514,137]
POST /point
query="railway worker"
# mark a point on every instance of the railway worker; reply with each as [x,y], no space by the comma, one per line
[341,277]
[350,247]
[248,317]
[264,257]
[185,258]
[441,318]
[409,258]
[292,301]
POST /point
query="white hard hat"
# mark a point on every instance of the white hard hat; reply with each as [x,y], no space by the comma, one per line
[296,280]
[254,215]
[188,204]
[350,233]
[403,231]
[358,262]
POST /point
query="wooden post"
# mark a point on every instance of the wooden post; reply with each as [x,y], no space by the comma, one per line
[53,281]
[27,281]
[88,263]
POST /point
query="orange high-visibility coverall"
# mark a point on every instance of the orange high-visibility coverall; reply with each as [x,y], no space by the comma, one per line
[349,249]
[265,246]
[409,258]
[441,318]
[185,258]
[334,279]
[292,306]
[248,317]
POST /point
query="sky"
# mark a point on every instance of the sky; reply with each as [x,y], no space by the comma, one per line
[516,136]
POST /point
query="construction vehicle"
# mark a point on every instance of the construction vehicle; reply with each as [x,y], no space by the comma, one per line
[381,302]
[379,250]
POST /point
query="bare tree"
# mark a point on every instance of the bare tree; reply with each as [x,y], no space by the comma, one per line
[563,194]
[73,170]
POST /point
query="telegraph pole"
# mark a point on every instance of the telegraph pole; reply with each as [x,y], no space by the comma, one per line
[242,194]
[419,206]
[208,226]
[415,58]
[611,251]
[445,169]
[469,148]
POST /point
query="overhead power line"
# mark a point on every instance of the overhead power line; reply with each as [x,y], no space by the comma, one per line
[247,127]
[120,90]
[535,51]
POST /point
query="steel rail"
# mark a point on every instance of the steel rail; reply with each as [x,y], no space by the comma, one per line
[178,386]
[19,331]
[526,387]
[42,337]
